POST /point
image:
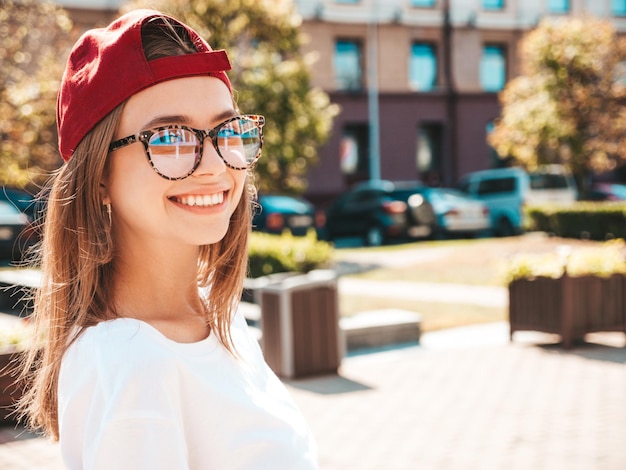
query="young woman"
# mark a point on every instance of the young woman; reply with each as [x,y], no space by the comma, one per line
[143,359]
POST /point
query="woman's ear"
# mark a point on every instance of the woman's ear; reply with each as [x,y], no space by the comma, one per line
[104,193]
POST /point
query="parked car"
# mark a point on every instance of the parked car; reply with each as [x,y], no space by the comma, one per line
[456,213]
[379,212]
[278,213]
[16,232]
[607,192]
[505,191]
[20,199]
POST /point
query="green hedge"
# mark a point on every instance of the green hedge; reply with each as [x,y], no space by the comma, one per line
[590,220]
[270,254]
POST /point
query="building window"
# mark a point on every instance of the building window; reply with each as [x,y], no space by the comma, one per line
[353,152]
[428,158]
[348,70]
[423,67]
[423,3]
[558,6]
[493,4]
[493,68]
[618,7]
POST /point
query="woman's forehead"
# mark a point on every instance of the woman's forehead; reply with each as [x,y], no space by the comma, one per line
[195,101]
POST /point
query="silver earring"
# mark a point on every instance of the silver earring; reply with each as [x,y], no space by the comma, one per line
[108,205]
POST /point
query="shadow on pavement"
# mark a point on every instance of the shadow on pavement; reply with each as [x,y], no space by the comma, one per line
[590,350]
[328,385]
[11,432]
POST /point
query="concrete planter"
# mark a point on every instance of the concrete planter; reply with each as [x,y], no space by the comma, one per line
[568,306]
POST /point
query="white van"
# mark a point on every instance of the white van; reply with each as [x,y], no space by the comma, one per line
[506,190]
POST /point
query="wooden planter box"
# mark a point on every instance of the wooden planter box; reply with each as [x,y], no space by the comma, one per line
[9,391]
[568,306]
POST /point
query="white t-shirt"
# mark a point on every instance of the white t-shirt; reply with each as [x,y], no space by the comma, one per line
[129,398]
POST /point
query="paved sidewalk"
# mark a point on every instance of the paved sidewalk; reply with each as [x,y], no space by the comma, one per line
[464,399]
[493,406]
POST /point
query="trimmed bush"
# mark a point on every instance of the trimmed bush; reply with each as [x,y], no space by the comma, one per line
[15,336]
[271,254]
[585,219]
[602,261]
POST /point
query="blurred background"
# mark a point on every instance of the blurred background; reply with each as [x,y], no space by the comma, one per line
[434,155]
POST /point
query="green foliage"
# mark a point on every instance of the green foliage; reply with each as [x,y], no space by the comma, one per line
[270,77]
[567,106]
[15,336]
[585,219]
[35,37]
[270,254]
[603,261]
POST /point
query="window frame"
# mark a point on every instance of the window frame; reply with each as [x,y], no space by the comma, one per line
[504,56]
[413,84]
[563,11]
[358,84]
[622,12]
[487,5]
[415,3]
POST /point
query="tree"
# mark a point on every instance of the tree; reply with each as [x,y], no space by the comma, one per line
[270,77]
[568,105]
[34,39]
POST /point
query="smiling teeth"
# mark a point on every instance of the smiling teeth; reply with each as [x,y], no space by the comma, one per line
[204,200]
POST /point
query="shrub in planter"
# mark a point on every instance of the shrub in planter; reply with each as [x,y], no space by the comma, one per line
[271,254]
[607,259]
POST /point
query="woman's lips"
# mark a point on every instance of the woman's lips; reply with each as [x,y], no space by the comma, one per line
[199,200]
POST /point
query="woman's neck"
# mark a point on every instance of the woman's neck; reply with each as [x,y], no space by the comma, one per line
[161,288]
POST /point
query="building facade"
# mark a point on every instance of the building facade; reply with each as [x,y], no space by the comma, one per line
[418,82]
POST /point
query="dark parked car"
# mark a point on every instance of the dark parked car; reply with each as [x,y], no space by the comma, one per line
[277,214]
[607,192]
[16,232]
[20,199]
[379,212]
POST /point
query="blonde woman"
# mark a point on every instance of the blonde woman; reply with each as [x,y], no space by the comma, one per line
[145,361]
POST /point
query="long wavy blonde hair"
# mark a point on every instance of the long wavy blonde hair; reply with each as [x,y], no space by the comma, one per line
[76,257]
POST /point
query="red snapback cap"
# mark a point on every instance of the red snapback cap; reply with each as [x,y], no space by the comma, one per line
[107,66]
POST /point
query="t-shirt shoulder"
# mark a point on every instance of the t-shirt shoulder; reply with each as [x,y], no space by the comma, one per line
[127,349]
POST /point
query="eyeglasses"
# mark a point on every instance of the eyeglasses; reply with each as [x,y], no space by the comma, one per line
[176,151]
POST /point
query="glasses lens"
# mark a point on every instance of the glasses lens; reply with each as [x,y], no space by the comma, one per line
[239,142]
[173,151]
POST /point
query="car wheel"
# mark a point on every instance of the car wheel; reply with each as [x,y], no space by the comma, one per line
[374,236]
[438,233]
[504,228]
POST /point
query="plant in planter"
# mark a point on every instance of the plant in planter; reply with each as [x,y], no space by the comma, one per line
[271,254]
[570,293]
[274,258]
[15,337]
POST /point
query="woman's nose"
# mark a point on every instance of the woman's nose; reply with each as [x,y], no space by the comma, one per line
[211,163]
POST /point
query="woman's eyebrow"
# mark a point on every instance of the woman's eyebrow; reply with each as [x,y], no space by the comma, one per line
[166,120]
[185,120]
[226,114]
